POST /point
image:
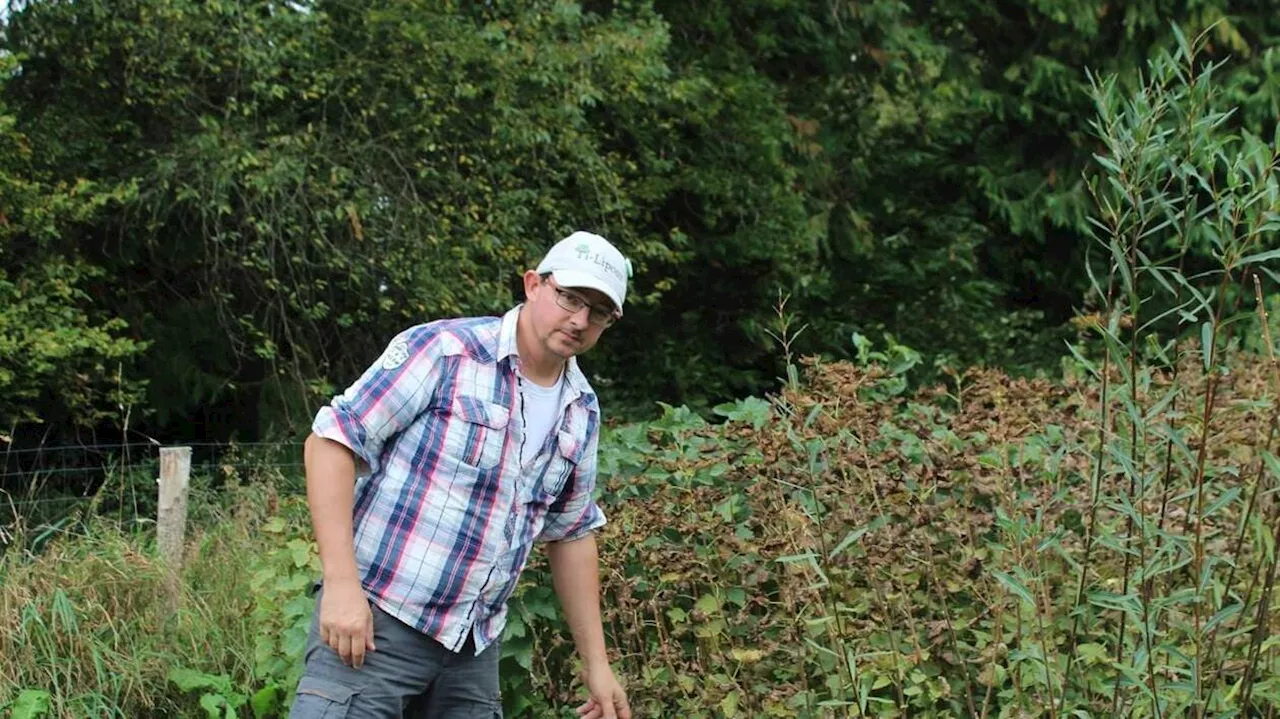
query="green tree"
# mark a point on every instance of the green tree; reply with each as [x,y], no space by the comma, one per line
[306,178]
[63,360]
[310,179]
[946,145]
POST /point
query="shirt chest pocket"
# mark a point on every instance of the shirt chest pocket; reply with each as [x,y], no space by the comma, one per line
[571,445]
[479,430]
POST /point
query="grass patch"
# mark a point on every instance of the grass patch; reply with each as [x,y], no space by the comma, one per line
[87,620]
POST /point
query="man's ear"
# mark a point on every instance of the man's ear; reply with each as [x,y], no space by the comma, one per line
[531,282]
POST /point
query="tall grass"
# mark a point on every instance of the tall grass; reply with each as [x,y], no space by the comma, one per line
[1176,181]
[87,623]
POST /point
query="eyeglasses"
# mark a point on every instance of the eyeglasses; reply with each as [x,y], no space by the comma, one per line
[598,316]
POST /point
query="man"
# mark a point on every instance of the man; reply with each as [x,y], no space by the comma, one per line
[472,439]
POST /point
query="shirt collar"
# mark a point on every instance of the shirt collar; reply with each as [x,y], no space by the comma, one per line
[509,348]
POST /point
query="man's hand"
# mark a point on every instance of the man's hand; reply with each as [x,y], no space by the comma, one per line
[346,621]
[608,699]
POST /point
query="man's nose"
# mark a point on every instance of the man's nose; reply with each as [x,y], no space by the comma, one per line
[581,318]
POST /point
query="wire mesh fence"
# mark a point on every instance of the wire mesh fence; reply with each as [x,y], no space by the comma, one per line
[43,486]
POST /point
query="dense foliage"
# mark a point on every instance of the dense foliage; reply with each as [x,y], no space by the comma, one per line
[214,212]
[847,548]
[230,205]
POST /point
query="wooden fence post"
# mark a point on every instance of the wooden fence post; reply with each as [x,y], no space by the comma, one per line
[175,473]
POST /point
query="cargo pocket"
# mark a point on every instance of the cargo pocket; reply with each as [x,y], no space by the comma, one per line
[321,699]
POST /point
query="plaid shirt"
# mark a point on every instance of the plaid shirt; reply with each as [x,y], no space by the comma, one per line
[445,515]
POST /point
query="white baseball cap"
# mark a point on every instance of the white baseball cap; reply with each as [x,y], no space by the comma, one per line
[584,259]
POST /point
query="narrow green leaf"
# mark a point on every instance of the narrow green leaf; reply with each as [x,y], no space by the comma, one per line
[1174,436]
[1223,615]
[1156,228]
[1160,404]
[809,558]
[1226,498]
[1015,586]
[1260,257]
[1135,414]
[850,538]
[1122,264]
[1272,462]
[1107,163]
[1201,299]
[1182,597]
[1178,310]
[1162,569]
[1089,366]
[1118,602]
[1111,542]
[1121,455]
[1053,540]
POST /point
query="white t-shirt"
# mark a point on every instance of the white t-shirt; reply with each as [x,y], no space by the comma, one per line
[541,407]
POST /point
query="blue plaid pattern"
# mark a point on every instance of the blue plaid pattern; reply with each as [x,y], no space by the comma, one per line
[445,515]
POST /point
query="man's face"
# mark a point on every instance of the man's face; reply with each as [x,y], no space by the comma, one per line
[560,316]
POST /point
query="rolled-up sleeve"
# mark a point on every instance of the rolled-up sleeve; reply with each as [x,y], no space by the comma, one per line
[386,398]
[576,513]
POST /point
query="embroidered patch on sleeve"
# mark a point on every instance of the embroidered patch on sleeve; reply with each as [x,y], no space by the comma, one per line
[395,355]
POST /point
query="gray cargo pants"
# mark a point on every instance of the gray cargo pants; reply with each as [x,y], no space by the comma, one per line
[410,675]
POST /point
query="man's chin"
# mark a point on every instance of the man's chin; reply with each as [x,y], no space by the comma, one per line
[564,345]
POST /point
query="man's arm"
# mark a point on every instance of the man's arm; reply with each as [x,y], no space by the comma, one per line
[331,479]
[575,574]
[349,434]
[346,621]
